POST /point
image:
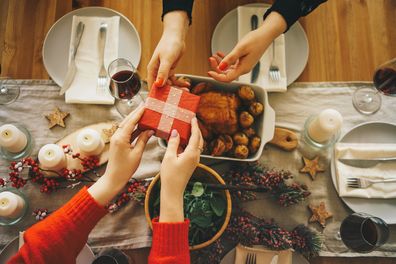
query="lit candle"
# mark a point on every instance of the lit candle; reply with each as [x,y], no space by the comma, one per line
[325,125]
[90,142]
[11,205]
[52,157]
[12,138]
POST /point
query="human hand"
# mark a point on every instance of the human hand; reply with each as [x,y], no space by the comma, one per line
[169,50]
[248,50]
[176,170]
[124,158]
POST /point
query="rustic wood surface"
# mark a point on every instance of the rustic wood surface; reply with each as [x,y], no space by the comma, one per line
[347,39]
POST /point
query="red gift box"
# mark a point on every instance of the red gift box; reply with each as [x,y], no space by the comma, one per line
[169,108]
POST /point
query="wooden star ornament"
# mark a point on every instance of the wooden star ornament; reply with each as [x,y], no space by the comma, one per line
[108,133]
[312,167]
[319,214]
[56,118]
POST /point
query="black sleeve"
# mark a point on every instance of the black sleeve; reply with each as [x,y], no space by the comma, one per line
[172,5]
[292,10]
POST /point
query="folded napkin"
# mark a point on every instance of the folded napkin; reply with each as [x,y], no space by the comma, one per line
[83,89]
[244,26]
[382,170]
[263,255]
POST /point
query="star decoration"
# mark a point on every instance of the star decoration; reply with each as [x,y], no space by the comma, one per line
[312,167]
[108,133]
[57,118]
[319,214]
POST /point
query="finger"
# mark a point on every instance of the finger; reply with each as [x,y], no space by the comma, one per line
[163,73]
[142,141]
[135,134]
[179,81]
[214,64]
[129,116]
[151,72]
[131,121]
[220,54]
[230,59]
[173,144]
[228,76]
[195,138]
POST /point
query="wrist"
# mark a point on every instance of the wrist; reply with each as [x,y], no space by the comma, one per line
[274,24]
[171,207]
[176,24]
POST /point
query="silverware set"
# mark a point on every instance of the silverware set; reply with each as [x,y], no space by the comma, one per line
[102,78]
[274,72]
[250,258]
[363,183]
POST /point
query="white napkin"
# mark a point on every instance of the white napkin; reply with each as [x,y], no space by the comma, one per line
[244,26]
[83,89]
[382,170]
[263,255]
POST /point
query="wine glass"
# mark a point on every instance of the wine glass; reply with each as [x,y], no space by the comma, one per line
[125,84]
[368,101]
[8,93]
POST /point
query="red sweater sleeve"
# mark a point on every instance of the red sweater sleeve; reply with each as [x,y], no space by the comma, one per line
[170,243]
[60,237]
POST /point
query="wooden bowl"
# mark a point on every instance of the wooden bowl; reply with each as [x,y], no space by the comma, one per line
[204,174]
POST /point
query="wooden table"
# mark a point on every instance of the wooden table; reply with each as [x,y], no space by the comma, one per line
[347,40]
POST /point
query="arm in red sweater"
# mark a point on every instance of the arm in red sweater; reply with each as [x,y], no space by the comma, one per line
[60,237]
[170,243]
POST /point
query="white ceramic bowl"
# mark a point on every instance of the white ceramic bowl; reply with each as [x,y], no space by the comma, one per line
[264,124]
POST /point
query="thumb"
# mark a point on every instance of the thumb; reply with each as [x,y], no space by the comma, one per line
[173,144]
[230,59]
[163,73]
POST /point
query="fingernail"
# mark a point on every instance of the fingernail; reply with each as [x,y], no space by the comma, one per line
[150,133]
[223,65]
[174,133]
[159,82]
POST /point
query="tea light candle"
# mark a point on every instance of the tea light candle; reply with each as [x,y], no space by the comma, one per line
[12,138]
[325,125]
[52,157]
[11,205]
[90,142]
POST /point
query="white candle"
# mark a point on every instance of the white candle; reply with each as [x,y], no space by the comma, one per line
[90,142]
[11,205]
[325,125]
[12,138]
[52,157]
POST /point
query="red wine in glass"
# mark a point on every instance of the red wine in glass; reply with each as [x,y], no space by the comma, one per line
[125,84]
[385,80]
[363,233]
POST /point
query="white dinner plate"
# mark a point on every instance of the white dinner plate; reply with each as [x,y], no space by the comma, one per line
[86,255]
[371,132]
[229,258]
[225,37]
[57,42]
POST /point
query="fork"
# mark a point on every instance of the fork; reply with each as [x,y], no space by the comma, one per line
[365,183]
[274,72]
[102,79]
[250,258]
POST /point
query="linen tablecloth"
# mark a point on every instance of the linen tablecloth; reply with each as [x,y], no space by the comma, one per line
[127,228]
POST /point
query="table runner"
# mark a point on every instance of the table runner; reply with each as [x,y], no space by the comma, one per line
[127,229]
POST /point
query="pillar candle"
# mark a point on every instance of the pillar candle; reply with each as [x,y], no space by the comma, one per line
[12,138]
[52,157]
[11,205]
[90,142]
[325,125]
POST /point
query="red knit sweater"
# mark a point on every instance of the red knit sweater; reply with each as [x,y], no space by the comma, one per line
[61,236]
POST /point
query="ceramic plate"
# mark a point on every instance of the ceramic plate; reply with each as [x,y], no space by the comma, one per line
[57,42]
[225,37]
[230,258]
[372,132]
[86,255]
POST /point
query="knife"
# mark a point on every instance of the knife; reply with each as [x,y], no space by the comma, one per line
[256,68]
[71,71]
[365,163]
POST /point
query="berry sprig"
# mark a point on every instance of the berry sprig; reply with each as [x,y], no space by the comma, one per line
[40,213]
[275,181]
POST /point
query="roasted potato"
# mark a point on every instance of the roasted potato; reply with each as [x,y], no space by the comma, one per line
[246,93]
[250,132]
[254,144]
[241,152]
[245,119]
[241,139]
[256,108]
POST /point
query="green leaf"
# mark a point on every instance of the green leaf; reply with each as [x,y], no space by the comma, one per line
[197,189]
[201,221]
[218,205]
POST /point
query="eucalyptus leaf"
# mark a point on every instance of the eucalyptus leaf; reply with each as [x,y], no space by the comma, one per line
[218,205]
[197,189]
